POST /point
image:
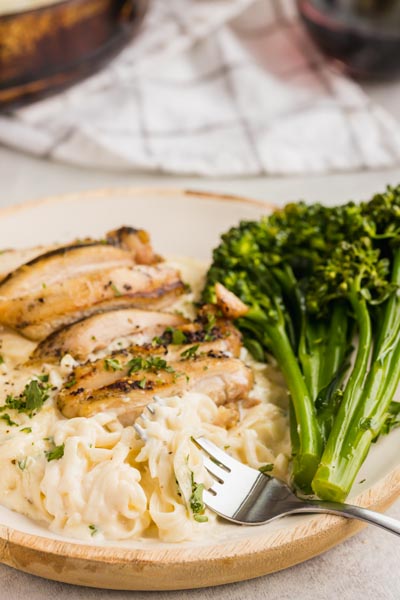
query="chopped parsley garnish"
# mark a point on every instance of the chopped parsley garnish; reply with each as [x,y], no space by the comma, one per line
[1,359]
[22,463]
[266,468]
[26,430]
[6,417]
[93,530]
[44,378]
[112,364]
[178,337]
[56,453]
[70,383]
[116,291]
[142,383]
[196,500]
[153,364]
[31,400]
[209,326]
[170,336]
[190,352]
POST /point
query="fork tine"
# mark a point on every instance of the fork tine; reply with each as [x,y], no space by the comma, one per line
[151,408]
[209,498]
[140,431]
[214,452]
[214,469]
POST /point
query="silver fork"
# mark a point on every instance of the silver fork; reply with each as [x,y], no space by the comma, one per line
[246,496]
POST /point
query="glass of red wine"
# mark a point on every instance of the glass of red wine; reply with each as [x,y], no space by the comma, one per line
[363,35]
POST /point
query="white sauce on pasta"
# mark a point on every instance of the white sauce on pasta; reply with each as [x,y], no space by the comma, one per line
[110,484]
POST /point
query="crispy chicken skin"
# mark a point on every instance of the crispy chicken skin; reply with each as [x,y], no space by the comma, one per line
[38,315]
[223,379]
[135,241]
[96,332]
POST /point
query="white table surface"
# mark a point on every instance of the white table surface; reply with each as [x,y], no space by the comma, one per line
[364,567]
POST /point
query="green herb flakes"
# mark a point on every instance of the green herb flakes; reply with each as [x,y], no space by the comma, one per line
[6,417]
[196,501]
[70,383]
[116,291]
[266,468]
[112,364]
[22,463]
[142,383]
[152,364]
[190,352]
[31,400]
[56,453]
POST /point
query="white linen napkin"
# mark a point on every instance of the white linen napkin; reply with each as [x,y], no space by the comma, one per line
[215,88]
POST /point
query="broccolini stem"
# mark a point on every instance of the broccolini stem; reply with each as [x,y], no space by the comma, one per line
[324,483]
[313,337]
[310,446]
[338,470]
[391,311]
[337,346]
[381,385]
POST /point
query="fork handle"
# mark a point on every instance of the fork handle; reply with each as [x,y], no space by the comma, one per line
[350,512]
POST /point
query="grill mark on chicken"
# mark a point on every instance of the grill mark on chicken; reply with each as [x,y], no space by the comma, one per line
[65,302]
[223,379]
[11,259]
[122,247]
[96,332]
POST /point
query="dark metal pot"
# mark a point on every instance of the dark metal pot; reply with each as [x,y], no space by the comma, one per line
[47,49]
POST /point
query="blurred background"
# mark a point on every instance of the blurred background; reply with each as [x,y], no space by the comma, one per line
[222,94]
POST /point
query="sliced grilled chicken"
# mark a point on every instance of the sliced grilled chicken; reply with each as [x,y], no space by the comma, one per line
[222,378]
[98,331]
[226,340]
[61,264]
[65,302]
[105,371]
[136,241]
[218,335]
[12,259]
[123,247]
